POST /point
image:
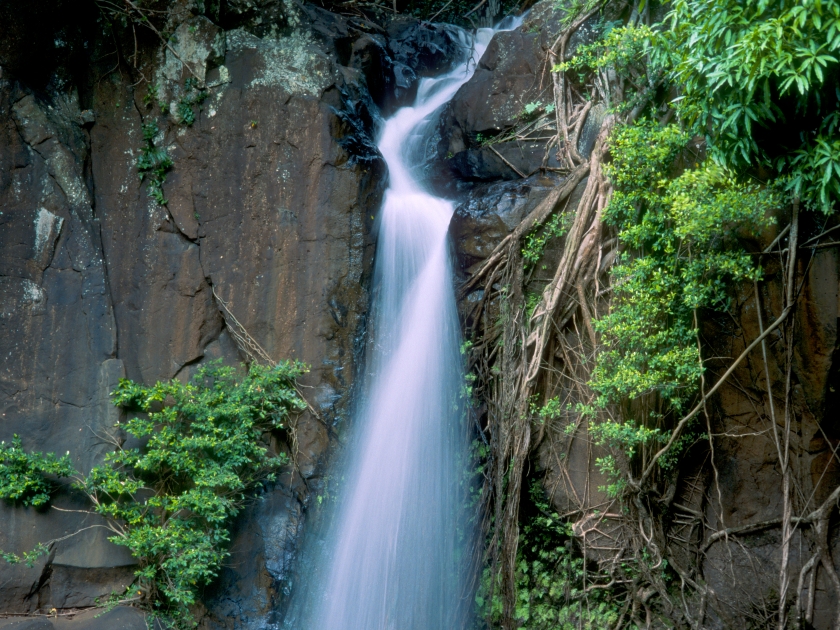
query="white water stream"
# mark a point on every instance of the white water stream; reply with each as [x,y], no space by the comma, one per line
[394,560]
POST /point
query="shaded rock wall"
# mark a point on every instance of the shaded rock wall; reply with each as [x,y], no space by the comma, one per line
[272,197]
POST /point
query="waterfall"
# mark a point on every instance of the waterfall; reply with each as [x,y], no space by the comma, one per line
[394,558]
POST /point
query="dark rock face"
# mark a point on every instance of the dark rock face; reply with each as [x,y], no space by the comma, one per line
[271,200]
[511,73]
[747,467]
[475,143]
[490,213]
[503,161]
[45,44]
[420,49]
[393,61]
[507,78]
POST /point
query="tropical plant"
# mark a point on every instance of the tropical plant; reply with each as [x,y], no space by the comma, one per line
[551,578]
[154,162]
[205,448]
[760,79]
[681,253]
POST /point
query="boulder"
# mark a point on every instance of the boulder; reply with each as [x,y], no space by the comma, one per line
[502,161]
[490,213]
[394,61]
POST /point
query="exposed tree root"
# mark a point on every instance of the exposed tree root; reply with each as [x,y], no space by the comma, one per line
[523,359]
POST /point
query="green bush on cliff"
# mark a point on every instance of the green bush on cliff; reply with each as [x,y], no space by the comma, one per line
[171,500]
[760,80]
[25,477]
[551,578]
[680,253]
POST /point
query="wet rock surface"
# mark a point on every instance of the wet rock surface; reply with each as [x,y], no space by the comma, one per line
[271,202]
[490,213]
[477,140]
[394,60]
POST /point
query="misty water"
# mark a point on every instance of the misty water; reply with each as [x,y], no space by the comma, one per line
[395,557]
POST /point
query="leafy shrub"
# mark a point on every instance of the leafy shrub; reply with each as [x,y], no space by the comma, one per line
[680,254]
[24,477]
[748,68]
[626,51]
[551,576]
[171,501]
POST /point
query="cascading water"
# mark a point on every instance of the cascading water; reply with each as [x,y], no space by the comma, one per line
[393,560]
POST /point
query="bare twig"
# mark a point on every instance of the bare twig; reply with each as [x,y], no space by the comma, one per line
[686,419]
[502,157]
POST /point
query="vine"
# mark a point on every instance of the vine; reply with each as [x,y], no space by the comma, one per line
[609,352]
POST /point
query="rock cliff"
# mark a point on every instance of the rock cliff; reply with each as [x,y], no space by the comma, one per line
[268,226]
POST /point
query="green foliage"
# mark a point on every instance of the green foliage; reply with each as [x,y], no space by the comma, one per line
[472,482]
[535,108]
[185,112]
[29,558]
[151,95]
[537,239]
[623,49]
[625,436]
[681,253]
[550,579]
[671,458]
[574,9]
[204,450]
[26,477]
[192,95]
[608,467]
[760,79]
[153,163]
[553,408]
[530,108]
[532,301]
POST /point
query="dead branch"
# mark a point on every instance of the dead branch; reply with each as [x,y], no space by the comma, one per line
[504,159]
[147,22]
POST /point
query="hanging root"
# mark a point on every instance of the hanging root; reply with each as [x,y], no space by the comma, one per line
[511,353]
[525,357]
[255,353]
